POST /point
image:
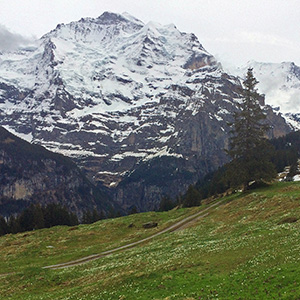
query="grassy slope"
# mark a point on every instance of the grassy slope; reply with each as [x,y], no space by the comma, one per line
[239,251]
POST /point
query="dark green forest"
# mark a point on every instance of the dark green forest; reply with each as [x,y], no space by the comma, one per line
[37,217]
[285,151]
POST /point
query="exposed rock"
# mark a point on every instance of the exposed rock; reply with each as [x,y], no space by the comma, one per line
[150,225]
[30,173]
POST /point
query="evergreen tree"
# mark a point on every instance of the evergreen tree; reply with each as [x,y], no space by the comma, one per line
[287,151]
[14,224]
[95,216]
[55,214]
[192,197]
[38,217]
[133,210]
[73,219]
[3,226]
[249,148]
[166,204]
[112,213]
[26,219]
[87,217]
[91,217]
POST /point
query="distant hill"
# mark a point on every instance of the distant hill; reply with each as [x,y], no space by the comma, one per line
[30,173]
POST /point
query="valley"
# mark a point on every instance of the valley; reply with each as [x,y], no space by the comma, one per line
[135,166]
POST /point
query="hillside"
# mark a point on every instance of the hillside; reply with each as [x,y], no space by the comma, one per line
[247,247]
[31,174]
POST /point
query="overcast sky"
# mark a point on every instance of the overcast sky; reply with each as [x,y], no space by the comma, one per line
[235,31]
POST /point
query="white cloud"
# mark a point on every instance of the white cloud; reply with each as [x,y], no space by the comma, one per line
[239,46]
[10,41]
[264,38]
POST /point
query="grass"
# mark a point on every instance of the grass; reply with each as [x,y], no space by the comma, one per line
[62,243]
[247,248]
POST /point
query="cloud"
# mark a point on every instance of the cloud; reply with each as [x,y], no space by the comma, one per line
[237,47]
[10,41]
[287,99]
[264,38]
[256,38]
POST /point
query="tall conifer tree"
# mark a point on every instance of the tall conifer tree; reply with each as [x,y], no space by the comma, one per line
[249,148]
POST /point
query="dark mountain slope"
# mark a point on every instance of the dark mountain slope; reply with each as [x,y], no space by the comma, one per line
[30,173]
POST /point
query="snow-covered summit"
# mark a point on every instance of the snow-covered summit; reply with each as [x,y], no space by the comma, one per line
[102,29]
[93,58]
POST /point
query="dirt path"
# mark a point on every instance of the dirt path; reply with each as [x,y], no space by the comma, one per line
[186,222]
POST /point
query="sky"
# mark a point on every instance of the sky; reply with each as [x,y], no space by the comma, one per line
[234,31]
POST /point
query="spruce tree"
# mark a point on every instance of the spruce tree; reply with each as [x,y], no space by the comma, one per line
[3,226]
[166,204]
[192,197]
[249,148]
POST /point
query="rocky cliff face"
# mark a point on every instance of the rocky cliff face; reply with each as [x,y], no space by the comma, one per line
[30,173]
[143,108]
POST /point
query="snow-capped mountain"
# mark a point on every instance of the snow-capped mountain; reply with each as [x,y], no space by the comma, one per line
[280,82]
[142,108]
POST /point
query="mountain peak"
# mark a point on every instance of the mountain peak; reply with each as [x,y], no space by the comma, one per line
[132,18]
[115,93]
[110,18]
[89,29]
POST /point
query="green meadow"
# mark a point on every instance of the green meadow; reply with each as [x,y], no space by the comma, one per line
[248,247]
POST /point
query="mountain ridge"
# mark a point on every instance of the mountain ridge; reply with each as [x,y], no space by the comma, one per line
[115,94]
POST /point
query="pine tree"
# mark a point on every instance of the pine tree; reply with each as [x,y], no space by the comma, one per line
[87,217]
[249,148]
[166,204]
[38,217]
[95,216]
[14,224]
[133,210]
[3,226]
[192,197]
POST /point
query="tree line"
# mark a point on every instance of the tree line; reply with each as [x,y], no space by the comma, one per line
[37,217]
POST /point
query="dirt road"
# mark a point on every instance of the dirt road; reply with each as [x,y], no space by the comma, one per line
[186,222]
